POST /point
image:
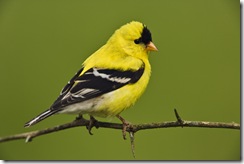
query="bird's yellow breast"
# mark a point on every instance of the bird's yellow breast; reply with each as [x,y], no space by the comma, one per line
[116,101]
[114,56]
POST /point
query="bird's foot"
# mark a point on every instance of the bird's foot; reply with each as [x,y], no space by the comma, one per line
[92,123]
[126,124]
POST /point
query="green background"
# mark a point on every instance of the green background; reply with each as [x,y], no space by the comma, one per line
[197,71]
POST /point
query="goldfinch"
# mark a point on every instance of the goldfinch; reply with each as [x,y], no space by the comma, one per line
[110,80]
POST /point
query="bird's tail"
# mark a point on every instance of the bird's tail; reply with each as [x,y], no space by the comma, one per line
[40,117]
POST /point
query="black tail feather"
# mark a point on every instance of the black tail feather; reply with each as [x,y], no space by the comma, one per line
[40,117]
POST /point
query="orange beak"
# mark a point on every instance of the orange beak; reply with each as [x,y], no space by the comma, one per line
[151,47]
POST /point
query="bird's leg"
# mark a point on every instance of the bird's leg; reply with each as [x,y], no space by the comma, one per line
[92,123]
[125,125]
[79,117]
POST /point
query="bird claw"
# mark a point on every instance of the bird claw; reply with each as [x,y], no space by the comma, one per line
[92,123]
[125,124]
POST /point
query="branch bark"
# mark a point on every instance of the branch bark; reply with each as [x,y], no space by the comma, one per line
[132,129]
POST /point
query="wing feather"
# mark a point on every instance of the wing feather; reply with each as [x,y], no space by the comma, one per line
[94,82]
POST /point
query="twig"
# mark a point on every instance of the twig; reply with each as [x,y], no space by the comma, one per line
[29,136]
[132,143]
[178,117]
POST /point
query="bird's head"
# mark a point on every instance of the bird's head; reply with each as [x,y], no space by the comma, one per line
[134,38]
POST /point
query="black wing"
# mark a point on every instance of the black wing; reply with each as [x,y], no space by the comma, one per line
[93,83]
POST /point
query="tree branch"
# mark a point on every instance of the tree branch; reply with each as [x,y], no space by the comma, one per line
[132,129]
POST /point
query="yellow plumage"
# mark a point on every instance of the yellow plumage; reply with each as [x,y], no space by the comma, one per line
[111,79]
[120,54]
[119,49]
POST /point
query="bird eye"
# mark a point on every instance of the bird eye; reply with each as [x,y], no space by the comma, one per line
[137,41]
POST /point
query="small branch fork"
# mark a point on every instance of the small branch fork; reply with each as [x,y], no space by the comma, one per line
[132,128]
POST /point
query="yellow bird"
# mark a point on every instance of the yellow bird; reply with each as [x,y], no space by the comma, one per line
[110,80]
